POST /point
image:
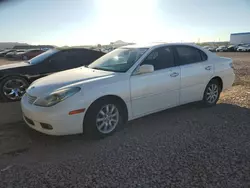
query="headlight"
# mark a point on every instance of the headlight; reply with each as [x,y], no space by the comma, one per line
[57,96]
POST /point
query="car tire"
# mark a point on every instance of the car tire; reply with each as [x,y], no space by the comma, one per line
[15,85]
[212,93]
[97,123]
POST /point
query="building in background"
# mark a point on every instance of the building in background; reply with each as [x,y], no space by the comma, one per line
[239,38]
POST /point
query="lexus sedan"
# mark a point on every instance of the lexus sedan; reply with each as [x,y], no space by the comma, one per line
[125,84]
[15,78]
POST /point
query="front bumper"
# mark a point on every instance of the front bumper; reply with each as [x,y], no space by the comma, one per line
[57,116]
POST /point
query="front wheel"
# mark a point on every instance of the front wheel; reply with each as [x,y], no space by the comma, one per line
[12,88]
[212,93]
[103,118]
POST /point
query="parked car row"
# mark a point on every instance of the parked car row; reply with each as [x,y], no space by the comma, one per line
[125,84]
[230,48]
[20,54]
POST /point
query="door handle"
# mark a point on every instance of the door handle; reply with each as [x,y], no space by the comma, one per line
[174,74]
[208,67]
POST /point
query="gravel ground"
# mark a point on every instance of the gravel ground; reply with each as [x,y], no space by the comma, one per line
[187,146]
[4,61]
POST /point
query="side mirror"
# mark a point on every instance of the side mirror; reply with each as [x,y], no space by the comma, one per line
[145,69]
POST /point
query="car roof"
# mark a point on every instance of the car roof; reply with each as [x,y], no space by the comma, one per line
[159,44]
[79,48]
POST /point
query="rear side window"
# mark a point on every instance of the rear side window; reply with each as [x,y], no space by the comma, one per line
[189,55]
[203,56]
[60,56]
[80,57]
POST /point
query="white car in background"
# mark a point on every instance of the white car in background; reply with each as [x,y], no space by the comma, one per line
[221,49]
[243,48]
[125,84]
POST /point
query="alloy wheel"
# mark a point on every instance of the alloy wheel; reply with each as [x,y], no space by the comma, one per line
[212,93]
[14,89]
[107,118]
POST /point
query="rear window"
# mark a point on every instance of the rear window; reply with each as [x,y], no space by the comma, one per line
[189,55]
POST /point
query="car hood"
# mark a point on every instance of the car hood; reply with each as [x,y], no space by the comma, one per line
[14,65]
[73,77]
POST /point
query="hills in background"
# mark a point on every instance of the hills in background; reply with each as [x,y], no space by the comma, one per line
[4,45]
[17,45]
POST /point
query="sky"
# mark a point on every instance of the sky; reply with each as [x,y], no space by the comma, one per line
[85,22]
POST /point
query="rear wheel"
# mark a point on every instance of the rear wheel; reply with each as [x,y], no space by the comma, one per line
[212,93]
[12,88]
[103,118]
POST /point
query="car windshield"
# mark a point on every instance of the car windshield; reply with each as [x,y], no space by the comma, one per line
[42,56]
[119,60]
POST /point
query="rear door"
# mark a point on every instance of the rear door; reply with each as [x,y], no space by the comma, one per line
[196,71]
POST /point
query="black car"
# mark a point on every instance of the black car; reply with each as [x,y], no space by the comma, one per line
[15,78]
[232,48]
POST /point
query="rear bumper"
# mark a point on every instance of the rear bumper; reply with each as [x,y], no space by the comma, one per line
[228,80]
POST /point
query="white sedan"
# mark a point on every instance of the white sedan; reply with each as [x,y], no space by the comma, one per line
[244,48]
[125,84]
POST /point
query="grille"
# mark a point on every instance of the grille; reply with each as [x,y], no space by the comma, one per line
[31,99]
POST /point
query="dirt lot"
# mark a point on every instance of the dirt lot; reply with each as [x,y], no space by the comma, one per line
[188,146]
[4,61]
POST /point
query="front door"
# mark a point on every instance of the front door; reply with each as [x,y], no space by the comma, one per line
[158,90]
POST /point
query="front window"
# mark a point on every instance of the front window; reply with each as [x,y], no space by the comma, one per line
[42,56]
[119,60]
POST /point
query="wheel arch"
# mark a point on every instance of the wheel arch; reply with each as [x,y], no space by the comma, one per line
[219,80]
[115,98]
[18,75]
